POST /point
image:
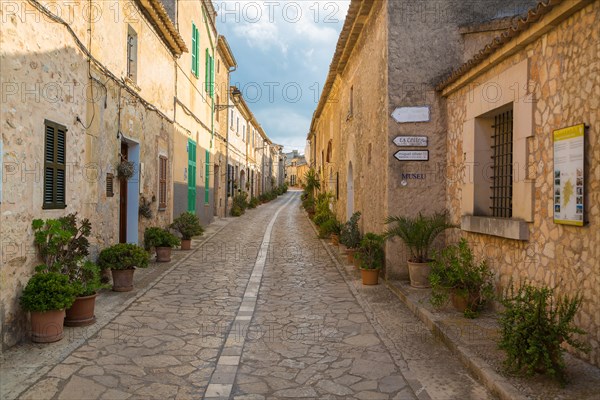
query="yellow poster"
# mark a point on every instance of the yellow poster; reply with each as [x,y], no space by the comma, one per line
[569,146]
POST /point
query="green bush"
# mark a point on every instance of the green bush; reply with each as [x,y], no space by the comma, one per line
[322,211]
[455,269]
[534,324]
[350,234]
[370,251]
[48,291]
[309,204]
[123,256]
[329,227]
[87,278]
[239,204]
[159,237]
[62,242]
[253,203]
[188,225]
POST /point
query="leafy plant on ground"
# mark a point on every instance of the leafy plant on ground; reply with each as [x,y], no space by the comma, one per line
[159,237]
[87,278]
[254,202]
[418,232]
[370,251]
[188,225]
[322,211]
[534,325]
[329,227]
[47,291]
[312,182]
[123,256]
[239,204]
[454,269]
[350,234]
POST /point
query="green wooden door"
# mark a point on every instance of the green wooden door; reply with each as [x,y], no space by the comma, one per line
[191,176]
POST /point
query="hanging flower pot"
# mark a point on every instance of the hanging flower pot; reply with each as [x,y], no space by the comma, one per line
[125,170]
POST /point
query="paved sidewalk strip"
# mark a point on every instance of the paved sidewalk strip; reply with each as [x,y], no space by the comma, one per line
[223,378]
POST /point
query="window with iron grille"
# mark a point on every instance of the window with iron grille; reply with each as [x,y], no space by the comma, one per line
[162,182]
[502,158]
[54,165]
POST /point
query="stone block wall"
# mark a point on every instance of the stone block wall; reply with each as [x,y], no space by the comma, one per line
[564,73]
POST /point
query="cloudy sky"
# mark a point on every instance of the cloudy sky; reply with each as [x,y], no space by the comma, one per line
[283,50]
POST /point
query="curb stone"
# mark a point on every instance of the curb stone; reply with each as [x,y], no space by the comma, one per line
[493,381]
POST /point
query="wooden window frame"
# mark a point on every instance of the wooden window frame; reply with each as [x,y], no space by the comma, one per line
[55,165]
[163,168]
[132,50]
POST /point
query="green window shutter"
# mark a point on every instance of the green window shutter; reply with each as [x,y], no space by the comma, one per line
[191,176]
[197,52]
[194,49]
[54,166]
[207,178]
[207,72]
[212,76]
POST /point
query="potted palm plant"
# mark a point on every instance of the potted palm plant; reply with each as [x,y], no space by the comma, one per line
[350,236]
[162,241]
[188,226]
[418,234]
[371,256]
[122,259]
[456,274]
[46,296]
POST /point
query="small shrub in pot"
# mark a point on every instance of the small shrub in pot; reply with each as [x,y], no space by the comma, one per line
[122,259]
[188,225]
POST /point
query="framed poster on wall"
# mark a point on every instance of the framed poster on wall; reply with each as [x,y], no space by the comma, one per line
[569,185]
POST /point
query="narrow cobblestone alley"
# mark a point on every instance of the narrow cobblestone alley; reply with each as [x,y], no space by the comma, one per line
[234,320]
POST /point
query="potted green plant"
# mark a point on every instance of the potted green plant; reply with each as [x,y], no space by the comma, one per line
[371,256]
[122,259]
[63,245]
[188,226]
[46,296]
[418,234]
[350,236]
[162,241]
[456,275]
[125,170]
[331,228]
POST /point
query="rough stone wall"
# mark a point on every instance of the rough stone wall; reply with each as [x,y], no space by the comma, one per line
[51,77]
[353,135]
[565,74]
[424,44]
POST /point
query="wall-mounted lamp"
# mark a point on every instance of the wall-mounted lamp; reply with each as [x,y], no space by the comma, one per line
[235,94]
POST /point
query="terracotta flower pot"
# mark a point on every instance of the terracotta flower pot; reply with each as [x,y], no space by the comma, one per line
[47,326]
[419,274]
[356,261]
[122,279]
[370,276]
[335,239]
[163,254]
[350,255]
[462,301]
[81,312]
[186,244]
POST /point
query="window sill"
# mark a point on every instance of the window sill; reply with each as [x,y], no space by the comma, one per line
[502,227]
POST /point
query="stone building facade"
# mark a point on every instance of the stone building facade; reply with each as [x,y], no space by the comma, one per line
[86,87]
[72,110]
[548,75]
[384,83]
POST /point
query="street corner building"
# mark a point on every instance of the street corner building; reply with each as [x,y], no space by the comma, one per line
[488,111]
[92,91]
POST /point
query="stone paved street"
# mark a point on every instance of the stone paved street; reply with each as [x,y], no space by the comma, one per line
[262,310]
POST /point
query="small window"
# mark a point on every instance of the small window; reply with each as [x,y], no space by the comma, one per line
[195,48]
[162,182]
[110,185]
[54,165]
[351,103]
[217,111]
[502,156]
[132,54]
[369,148]
[243,133]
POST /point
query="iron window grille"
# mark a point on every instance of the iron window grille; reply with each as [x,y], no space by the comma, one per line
[502,158]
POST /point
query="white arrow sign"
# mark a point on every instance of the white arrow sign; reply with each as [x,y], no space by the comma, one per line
[411,141]
[412,155]
[411,114]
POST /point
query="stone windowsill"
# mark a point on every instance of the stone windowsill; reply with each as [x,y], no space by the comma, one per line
[503,227]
